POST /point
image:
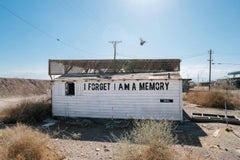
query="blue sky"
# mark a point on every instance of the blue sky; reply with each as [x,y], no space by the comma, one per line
[33,31]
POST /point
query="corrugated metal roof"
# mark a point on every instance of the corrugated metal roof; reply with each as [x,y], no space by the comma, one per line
[60,67]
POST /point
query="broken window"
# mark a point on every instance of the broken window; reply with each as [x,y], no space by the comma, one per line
[70,89]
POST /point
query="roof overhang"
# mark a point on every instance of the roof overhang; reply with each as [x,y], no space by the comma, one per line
[61,67]
[234,73]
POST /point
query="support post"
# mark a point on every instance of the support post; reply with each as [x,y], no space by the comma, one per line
[115,52]
[210,69]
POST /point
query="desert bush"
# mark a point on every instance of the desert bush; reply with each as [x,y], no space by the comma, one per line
[23,143]
[148,140]
[212,99]
[26,112]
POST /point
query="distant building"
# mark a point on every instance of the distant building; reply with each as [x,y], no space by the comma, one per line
[234,73]
[233,81]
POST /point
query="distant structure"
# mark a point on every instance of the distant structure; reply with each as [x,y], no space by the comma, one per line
[117,89]
[234,73]
[233,81]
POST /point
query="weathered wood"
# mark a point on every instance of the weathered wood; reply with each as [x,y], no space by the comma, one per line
[60,67]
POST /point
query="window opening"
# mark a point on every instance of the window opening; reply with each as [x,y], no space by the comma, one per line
[70,89]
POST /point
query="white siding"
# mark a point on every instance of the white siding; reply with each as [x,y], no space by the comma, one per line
[115,103]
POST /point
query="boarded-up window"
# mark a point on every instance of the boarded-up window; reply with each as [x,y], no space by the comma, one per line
[70,89]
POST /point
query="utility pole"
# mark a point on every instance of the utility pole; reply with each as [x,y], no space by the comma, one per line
[115,52]
[115,47]
[210,68]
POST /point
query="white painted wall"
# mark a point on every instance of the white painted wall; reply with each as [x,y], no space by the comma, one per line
[115,103]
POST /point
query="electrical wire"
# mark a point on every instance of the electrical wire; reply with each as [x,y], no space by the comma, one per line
[28,23]
[50,36]
[226,63]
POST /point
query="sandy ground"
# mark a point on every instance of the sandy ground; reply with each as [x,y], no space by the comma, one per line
[201,140]
[93,141]
[214,144]
[6,102]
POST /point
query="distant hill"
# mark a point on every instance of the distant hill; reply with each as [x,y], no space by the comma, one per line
[14,87]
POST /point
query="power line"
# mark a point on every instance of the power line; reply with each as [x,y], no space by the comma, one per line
[28,23]
[226,63]
[40,30]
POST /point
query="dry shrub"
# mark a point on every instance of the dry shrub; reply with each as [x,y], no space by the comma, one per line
[212,99]
[23,143]
[26,112]
[149,140]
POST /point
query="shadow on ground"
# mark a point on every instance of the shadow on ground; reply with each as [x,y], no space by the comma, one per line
[188,132]
[102,130]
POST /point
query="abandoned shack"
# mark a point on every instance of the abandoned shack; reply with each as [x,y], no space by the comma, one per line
[118,89]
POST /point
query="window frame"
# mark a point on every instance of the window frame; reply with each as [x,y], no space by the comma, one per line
[70,89]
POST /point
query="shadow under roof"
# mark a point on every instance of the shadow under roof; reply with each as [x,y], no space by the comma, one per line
[61,67]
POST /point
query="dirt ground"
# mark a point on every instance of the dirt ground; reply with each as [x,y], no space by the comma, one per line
[91,139]
[6,102]
[15,87]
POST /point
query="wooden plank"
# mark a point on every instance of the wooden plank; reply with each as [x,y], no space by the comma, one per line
[60,67]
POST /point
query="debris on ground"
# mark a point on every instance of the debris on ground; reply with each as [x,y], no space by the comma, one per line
[216,133]
[49,122]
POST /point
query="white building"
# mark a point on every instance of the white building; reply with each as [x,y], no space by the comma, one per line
[121,94]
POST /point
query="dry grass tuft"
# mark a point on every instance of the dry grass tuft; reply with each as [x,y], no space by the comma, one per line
[149,140]
[26,112]
[212,99]
[23,143]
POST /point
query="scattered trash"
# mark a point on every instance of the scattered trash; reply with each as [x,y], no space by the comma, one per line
[216,133]
[216,146]
[49,122]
